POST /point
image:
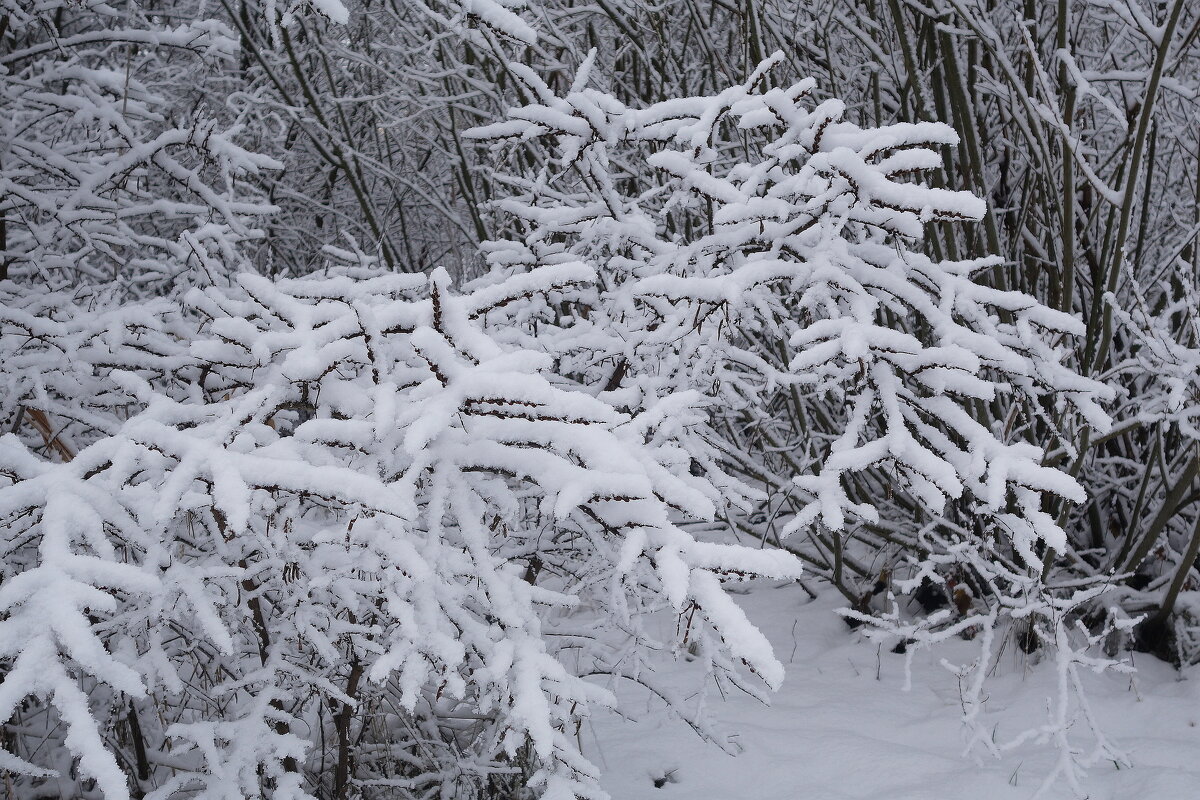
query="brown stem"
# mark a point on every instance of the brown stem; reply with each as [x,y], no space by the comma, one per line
[341,723]
[139,745]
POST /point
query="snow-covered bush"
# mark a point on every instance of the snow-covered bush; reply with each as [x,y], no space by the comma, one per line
[765,254]
[758,246]
[328,535]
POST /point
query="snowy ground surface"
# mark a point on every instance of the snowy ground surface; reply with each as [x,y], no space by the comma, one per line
[841,727]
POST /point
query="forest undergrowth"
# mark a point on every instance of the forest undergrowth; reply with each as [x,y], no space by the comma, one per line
[377,376]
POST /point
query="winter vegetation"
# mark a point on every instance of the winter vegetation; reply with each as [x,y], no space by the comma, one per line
[393,393]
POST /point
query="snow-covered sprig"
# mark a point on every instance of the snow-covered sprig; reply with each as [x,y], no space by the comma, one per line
[996,602]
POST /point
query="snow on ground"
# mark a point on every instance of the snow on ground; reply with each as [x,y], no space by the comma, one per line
[841,728]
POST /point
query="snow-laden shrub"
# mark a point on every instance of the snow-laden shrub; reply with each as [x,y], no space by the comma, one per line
[757,245]
[328,535]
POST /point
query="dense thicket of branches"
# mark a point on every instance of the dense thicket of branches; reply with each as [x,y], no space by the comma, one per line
[908,292]
[1075,122]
